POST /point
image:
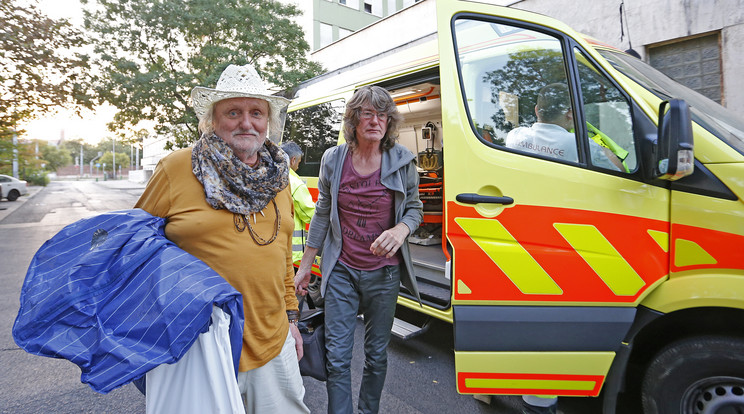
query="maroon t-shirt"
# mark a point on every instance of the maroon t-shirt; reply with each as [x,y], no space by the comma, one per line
[365,210]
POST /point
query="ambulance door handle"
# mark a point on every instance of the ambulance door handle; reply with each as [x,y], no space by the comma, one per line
[472,198]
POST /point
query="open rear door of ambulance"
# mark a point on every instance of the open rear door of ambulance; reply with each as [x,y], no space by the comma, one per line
[555,240]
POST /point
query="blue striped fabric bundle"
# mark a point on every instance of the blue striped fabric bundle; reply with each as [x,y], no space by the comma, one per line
[111,294]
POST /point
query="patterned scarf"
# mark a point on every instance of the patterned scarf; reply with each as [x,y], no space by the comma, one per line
[230,184]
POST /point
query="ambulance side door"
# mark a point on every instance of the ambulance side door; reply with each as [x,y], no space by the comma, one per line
[555,237]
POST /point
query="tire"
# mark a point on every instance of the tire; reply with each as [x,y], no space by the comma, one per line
[700,375]
[13,195]
[313,290]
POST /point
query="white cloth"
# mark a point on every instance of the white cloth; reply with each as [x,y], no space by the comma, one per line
[202,381]
[275,387]
[545,139]
[554,141]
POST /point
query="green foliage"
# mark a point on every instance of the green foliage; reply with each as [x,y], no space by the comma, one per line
[72,147]
[39,67]
[314,129]
[37,178]
[28,161]
[526,72]
[122,160]
[54,157]
[106,146]
[152,54]
[524,75]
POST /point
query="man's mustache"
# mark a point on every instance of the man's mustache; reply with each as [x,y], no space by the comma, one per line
[246,132]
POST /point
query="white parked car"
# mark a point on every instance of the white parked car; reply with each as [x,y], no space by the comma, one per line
[12,188]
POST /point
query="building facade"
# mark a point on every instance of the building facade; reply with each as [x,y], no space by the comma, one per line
[332,20]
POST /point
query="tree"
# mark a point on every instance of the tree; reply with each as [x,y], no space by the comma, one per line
[105,146]
[314,129]
[54,157]
[153,53]
[526,72]
[122,160]
[39,68]
[72,147]
[28,162]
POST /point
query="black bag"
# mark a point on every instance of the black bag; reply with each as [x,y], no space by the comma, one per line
[313,362]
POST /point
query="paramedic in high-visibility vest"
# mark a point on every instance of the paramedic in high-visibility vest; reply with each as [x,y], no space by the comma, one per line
[304,206]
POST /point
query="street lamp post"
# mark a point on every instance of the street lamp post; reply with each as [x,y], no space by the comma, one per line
[113,170]
[91,162]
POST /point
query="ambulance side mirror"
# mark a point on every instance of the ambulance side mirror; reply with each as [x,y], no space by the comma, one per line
[674,145]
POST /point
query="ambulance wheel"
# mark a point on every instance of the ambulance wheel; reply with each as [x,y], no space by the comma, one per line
[702,375]
[313,290]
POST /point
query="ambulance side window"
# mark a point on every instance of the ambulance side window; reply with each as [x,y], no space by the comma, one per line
[609,124]
[516,88]
[314,129]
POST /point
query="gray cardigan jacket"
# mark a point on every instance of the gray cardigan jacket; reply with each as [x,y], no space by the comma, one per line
[397,173]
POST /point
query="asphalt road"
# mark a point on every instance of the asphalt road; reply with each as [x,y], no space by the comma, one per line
[420,374]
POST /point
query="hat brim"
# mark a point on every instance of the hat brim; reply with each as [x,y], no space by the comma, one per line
[203,98]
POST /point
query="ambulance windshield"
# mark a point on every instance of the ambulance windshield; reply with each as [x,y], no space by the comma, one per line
[708,114]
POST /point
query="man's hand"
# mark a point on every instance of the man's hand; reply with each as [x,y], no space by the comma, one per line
[302,277]
[301,280]
[390,241]
[298,340]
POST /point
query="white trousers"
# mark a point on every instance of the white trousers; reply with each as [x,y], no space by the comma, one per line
[202,381]
[275,387]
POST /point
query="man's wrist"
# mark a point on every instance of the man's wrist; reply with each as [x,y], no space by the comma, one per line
[293,316]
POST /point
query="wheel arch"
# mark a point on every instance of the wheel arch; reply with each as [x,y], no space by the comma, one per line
[658,332]
[652,331]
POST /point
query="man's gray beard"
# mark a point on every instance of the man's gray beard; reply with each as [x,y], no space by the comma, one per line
[254,147]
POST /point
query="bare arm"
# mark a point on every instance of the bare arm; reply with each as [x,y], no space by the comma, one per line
[302,277]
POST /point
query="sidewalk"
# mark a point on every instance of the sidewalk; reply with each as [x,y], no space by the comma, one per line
[7,207]
[122,183]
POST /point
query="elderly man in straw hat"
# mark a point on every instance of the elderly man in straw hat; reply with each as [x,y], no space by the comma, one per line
[228,202]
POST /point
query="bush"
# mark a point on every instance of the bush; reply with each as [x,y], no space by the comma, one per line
[37,178]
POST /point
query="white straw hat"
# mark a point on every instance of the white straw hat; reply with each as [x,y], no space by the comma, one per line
[238,82]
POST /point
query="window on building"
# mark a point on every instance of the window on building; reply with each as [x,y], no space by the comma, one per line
[695,63]
[326,34]
[354,4]
[374,7]
[344,32]
[391,7]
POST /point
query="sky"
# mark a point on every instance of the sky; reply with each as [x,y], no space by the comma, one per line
[92,126]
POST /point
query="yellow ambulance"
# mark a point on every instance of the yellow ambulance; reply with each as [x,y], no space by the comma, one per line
[611,262]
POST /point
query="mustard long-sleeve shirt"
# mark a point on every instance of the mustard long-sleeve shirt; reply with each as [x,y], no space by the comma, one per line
[262,274]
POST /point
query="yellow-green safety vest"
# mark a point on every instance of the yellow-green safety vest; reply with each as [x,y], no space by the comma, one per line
[304,209]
